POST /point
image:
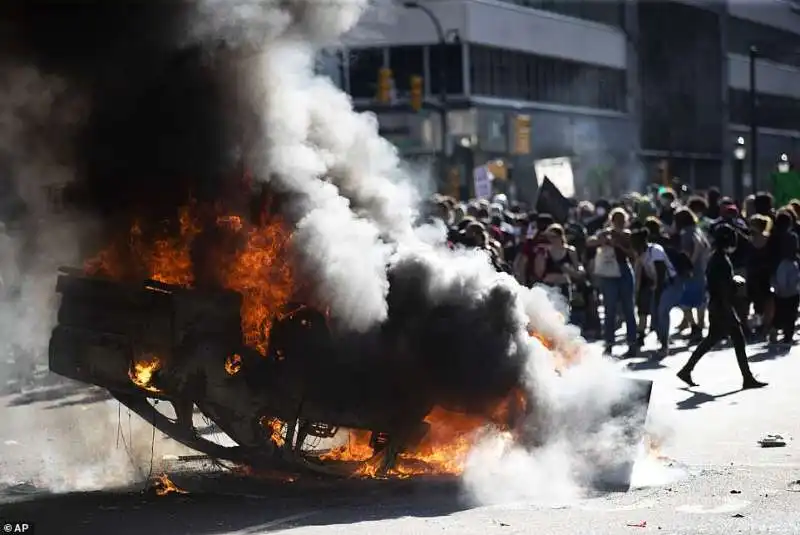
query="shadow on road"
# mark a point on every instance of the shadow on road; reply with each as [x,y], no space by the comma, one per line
[769,353]
[699,398]
[245,509]
[650,360]
[95,395]
[52,393]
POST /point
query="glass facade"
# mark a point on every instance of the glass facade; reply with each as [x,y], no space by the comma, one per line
[779,45]
[773,111]
[501,73]
[681,78]
[405,62]
[609,12]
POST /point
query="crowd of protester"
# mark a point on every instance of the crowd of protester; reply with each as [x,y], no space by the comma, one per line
[642,256]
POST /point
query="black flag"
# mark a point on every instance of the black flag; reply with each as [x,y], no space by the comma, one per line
[549,200]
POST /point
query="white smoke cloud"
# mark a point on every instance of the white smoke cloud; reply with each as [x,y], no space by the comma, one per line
[356,214]
[40,446]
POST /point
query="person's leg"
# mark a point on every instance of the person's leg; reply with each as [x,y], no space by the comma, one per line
[785,316]
[626,296]
[768,319]
[779,305]
[670,297]
[592,312]
[716,332]
[610,289]
[737,337]
[693,297]
[701,314]
[793,303]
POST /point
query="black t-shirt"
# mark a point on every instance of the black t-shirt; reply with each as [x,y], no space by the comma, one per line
[719,274]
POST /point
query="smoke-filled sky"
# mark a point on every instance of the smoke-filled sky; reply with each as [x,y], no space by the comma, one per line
[153,110]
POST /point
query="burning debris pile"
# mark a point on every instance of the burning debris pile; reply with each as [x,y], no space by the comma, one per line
[307,306]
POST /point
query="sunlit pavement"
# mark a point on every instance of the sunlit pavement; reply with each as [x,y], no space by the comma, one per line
[714,477]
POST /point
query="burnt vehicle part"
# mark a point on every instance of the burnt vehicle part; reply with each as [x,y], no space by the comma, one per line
[188,344]
[153,342]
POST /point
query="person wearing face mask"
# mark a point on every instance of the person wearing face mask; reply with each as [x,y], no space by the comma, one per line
[666,198]
[613,272]
[600,217]
[559,267]
[723,319]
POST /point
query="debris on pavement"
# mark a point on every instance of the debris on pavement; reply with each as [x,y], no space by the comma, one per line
[642,524]
[772,441]
[734,491]
[737,515]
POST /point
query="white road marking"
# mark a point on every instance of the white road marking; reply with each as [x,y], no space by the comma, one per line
[729,507]
[275,523]
[647,503]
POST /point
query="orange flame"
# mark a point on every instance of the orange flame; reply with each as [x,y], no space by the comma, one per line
[259,270]
[275,426]
[163,485]
[442,451]
[142,372]
[233,364]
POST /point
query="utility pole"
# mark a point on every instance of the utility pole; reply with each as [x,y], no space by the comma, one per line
[442,74]
[753,97]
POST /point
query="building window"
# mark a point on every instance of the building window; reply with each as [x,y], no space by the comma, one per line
[453,68]
[681,80]
[365,63]
[773,111]
[611,12]
[742,34]
[405,62]
[516,75]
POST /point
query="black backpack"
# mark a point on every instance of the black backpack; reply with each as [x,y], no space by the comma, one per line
[680,261]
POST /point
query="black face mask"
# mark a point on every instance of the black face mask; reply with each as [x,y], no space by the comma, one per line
[470,241]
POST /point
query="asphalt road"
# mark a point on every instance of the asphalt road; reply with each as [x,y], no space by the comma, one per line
[713,477]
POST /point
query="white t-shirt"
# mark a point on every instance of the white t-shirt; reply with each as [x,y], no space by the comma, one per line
[655,253]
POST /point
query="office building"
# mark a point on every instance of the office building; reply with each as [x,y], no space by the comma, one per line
[611,84]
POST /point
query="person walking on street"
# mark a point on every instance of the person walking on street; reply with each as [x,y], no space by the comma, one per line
[614,273]
[723,319]
[668,284]
[786,282]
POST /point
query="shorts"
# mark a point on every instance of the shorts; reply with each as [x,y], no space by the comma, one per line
[759,293]
[694,293]
[644,299]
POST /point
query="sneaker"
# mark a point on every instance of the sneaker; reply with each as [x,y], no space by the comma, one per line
[686,376]
[752,383]
[773,336]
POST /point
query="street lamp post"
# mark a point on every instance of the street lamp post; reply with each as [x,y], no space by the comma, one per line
[783,164]
[739,154]
[753,98]
[442,73]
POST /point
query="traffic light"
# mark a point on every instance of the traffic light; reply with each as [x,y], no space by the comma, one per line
[416,93]
[385,86]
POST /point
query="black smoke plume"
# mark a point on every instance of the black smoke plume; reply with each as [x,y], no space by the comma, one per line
[158,114]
